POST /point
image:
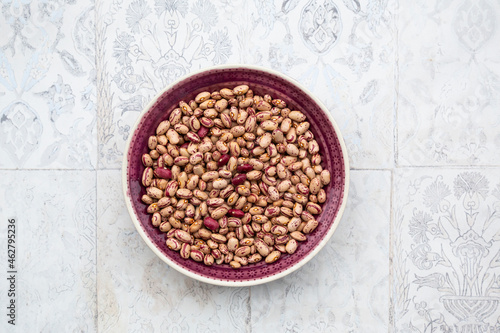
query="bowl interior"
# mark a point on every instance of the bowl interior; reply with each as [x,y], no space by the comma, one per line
[260,82]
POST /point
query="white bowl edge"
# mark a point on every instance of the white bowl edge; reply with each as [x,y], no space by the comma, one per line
[245,283]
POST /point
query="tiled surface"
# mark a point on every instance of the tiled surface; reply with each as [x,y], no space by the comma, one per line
[446,250]
[55,246]
[345,287]
[47,85]
[449,83]
[144,45]
[413,85]
[139,292]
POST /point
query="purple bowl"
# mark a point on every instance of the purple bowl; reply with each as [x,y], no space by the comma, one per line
[260,80]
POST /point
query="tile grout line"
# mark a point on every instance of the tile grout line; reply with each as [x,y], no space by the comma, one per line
[97,7]
[249,328]
[391,318]
[391,256]
[102,97]
[96,260]
[457,166]
[396,86]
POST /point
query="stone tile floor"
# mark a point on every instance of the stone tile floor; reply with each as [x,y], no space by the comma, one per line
[413,85]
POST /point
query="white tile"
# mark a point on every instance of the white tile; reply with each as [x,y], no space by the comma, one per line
[351,73]
[446,250]
[47,85]
[142,46]
[139,292]
[448,83]
[55,249]
[345,287]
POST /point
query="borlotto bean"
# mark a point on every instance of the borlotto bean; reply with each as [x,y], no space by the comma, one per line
[233,178]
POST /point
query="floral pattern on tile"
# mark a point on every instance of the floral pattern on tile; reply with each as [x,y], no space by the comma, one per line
[448,80]
[446,250]
[47,85]
[343,52]
[143,46]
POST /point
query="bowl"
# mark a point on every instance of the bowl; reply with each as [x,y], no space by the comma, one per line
[261,80]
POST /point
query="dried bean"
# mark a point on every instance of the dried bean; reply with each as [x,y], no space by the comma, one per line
[233,177]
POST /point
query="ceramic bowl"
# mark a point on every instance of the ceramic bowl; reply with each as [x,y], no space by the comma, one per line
[261,81]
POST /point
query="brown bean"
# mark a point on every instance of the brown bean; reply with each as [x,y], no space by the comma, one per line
[271,177]
[240,90]
[273,256]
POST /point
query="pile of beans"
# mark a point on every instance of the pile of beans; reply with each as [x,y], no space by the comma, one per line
[234,178]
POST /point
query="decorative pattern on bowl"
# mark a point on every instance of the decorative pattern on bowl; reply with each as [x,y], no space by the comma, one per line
[260,80]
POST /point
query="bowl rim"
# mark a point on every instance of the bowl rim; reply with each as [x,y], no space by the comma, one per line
[235,283]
